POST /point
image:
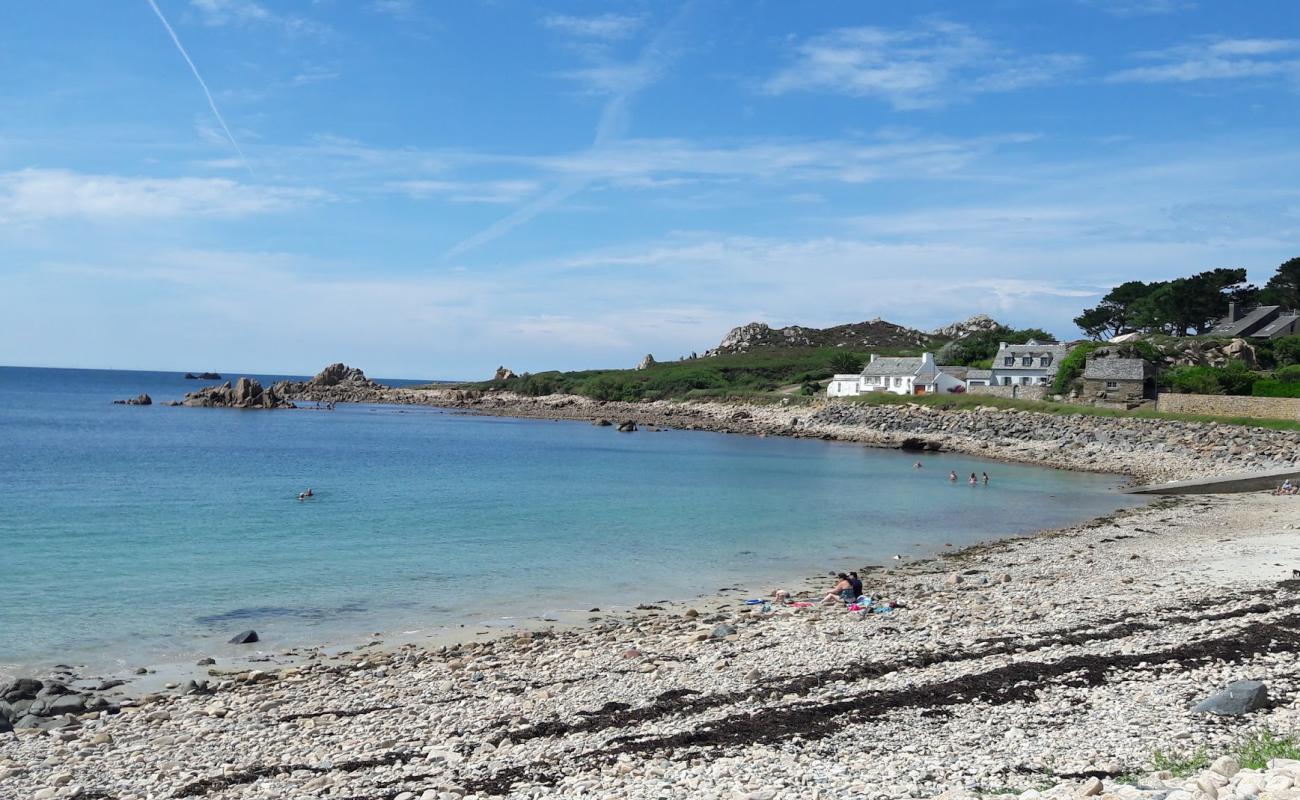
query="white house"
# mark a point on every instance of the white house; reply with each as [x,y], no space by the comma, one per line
[1028,364]
[899,375]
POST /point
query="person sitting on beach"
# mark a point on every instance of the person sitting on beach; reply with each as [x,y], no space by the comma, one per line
[842,592]
[952,476]
[856,582]
[781,596]
[1285,488]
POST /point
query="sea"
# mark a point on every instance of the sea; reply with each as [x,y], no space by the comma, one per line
[151,534]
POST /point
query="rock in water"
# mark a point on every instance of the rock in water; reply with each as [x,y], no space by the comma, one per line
[1239,697]
[247,637]
[138,400]
[627,426]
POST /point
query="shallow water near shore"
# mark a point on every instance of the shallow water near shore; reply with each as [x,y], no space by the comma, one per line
[137,535]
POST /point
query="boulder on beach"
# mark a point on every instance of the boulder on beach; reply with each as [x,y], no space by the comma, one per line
[246,637]
[21,689]
[1237,698]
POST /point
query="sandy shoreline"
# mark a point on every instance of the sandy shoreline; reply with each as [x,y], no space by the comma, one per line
[1016,665]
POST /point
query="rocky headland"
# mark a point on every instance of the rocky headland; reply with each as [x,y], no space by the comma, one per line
[337,383]
[1071,664]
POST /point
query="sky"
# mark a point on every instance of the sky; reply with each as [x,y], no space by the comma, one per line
[433,189]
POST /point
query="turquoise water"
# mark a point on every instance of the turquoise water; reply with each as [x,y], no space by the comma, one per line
[147,534]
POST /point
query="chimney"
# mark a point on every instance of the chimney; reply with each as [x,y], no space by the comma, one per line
[873,358]
[927,358]
[1232,312]
[1002,345]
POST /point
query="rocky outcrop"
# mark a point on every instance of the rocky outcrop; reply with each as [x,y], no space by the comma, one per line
[337,383]
[647,362]
[504,373]
[960,330]
[202,376]
[246,393]
[139,400]
[858,335]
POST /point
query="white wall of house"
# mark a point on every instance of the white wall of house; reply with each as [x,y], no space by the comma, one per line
[943,383]
[844,386]
[1019,376]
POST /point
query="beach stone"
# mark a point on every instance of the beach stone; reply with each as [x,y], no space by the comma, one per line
[67,704]
[1090,788]
[1239,697]
[104,686]
[722,631]
[205,662]
[1226,766]
[244,637]
[21,689]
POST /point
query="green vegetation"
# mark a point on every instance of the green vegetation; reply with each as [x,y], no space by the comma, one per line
[978,349]
[1071,367]
[1254,751]
[1180,766]
[741,376]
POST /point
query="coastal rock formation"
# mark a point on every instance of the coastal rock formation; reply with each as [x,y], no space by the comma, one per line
[647,362]
[246,393]
[858,335]
[139,400]
[960,330]
[627,426]
[337,383]
[503,373]
[202,376]
[244,637]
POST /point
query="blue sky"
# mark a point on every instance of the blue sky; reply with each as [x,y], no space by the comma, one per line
[431,189]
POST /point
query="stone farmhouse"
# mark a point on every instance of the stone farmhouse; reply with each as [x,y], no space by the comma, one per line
[1028,364]
[1118,380]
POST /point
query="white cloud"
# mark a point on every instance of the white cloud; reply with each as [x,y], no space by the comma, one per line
[218,13]
[504,191]
[923,67]
[1218,60]
[604,26]
[1141,8]
[34,194]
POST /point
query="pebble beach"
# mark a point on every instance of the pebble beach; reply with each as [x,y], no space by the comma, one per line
[1061,665]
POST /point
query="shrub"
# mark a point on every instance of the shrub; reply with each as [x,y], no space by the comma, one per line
[845,363]
[1269,387]
[1289,374]
[1194,380]
[1286,350]
[1071,367]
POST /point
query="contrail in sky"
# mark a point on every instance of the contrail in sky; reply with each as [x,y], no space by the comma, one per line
[614,120]
[211,103]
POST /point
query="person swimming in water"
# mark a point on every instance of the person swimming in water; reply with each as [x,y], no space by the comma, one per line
[973,480]
[952,476]
[986,479]
[306,494]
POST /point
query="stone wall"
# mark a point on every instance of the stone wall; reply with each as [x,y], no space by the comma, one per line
[1225,406]
[1018,392]
[1125,392]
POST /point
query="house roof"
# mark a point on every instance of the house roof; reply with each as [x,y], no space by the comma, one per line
[891,367]
[1246,322]
[979,375]
[957,372]
[1278,325]
[1035,351]
[1115,369]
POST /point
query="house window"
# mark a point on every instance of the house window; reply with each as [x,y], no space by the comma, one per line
[1024,381]
[1027,361]
[894,381]
[1112,384]
[1009,361]
[1045,361]
[1006,381]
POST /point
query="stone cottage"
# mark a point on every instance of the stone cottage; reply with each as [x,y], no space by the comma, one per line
[1118,380]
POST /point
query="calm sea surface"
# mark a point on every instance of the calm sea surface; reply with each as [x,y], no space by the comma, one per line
[150,534]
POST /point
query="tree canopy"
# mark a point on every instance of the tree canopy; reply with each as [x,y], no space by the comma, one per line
[1179,307]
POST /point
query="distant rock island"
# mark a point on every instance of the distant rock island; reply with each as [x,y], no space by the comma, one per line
[202,376]
[246,393]
[875,333]
[337,383]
